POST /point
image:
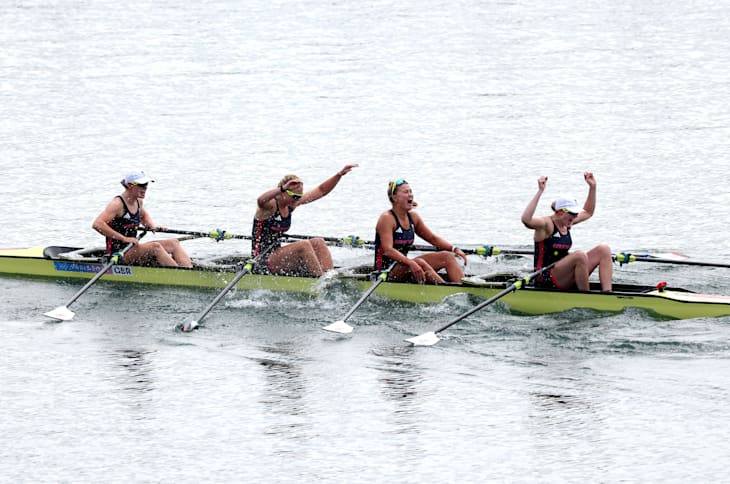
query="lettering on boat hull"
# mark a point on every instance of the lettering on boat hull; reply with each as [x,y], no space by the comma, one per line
[67,266]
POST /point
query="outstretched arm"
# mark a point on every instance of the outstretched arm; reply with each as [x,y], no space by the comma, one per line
[326,186]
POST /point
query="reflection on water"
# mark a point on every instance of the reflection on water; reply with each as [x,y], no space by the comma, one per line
[399,376]
[283,390]
[138,377]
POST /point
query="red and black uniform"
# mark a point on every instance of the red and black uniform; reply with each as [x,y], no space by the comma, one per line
[126,225]
[548,251]
[402,241]
[265,236]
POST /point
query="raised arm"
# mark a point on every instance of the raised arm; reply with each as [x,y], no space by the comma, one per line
[528,215]
[589,206]
[326,186]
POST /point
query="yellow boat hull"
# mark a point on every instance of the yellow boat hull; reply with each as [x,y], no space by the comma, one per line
[671,303]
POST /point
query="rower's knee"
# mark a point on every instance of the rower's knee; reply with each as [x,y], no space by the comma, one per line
[580,258]
[156,248]
[604,251]
[318,243]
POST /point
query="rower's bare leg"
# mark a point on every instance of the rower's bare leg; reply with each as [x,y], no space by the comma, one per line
[295,256]
[444,260]
[432,277]
[600,256]
[178,254]
[572,271]
[323,253]
[149,253]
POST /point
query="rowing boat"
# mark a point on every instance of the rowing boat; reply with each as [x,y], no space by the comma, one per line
[56,262]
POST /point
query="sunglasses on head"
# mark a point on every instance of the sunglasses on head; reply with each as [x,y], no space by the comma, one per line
[294,195]
[143,185]
[396,184]
[571,213]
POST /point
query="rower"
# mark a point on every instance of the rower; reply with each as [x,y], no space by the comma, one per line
[310,257]
[553,242]
[121,219]
[395,233]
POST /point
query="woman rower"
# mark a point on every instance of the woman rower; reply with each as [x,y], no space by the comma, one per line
[553,242]
[395,233]
[310,257]
[121,219]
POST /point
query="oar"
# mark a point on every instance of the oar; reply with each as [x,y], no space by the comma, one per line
[63,313]
[484,250]
[340,326]
[216,234]
[431,338]
[625,258]
[357,242]
[219,234]
[191,325]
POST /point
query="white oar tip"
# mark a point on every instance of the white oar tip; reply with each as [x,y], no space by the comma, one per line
[426,339]
[339,327]
[61,313]
[189,326]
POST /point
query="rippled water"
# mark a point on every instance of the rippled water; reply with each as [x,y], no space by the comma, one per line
[469,101]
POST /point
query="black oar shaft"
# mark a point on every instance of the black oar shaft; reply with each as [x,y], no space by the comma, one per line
[382,277]
[246,269]
[479,307]
[625,258]
[99,274]
[513,287]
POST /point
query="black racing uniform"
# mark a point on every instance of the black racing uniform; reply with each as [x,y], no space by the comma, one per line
[402,241]
[127,225]
[266,235]
[548,251]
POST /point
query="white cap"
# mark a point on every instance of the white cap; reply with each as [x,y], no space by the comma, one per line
[568,203]
[136,178]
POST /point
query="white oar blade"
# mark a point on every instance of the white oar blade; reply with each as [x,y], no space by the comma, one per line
[188,326]
[339,327]
[670,256]
[62,313]
[425,339]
